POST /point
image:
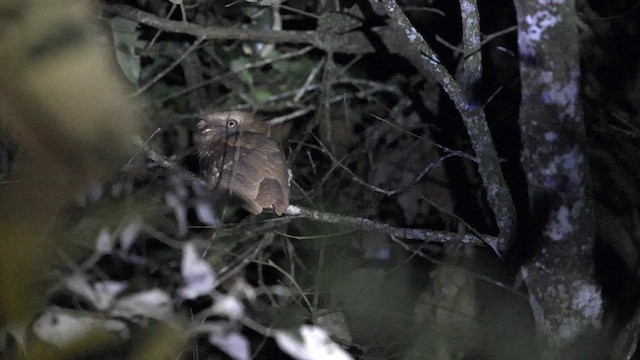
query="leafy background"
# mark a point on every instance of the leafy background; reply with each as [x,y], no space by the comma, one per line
[149,262]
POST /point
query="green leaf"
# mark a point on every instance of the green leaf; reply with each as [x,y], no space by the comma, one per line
[125,37]
[261,95]
[237,65]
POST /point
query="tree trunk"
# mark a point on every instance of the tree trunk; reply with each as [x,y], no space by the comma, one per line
[563,294]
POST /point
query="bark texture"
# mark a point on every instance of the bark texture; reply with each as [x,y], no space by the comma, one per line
[563,293]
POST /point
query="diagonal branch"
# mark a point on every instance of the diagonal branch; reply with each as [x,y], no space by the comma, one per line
[426,61]
[397,232]
[361,223]
[350,42]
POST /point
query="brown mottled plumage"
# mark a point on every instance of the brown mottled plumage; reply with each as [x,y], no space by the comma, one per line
[238,155]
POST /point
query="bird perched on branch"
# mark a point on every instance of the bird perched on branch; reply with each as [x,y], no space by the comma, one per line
[238,155]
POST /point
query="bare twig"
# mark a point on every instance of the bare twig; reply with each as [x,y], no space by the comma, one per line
[364,224]
[165,71]
[167,164]
[350,42]
[377,189]
[312,75]
[471,37]
[473,274]
[238,70]
[401,233]
[426,61]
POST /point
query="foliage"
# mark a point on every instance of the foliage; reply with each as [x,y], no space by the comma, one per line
[151,262]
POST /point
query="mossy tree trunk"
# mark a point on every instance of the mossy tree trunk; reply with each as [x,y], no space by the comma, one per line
[563,293]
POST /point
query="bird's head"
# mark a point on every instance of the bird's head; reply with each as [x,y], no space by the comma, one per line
[218,125]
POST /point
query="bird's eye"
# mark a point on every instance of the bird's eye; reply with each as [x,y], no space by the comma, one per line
[232,124]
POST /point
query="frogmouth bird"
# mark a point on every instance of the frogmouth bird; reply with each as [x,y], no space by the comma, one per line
[238,155]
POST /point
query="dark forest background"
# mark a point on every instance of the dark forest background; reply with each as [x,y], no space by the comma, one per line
[456,194]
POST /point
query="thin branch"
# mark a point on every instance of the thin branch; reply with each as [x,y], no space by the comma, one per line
[447,150]
[471,38]
[473,274]
[363,224]
[312,75]
[165,71]
[497,34]
[401,233]
[245,67]
[374,188]
[426,61]
[167,164]
[350,43]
